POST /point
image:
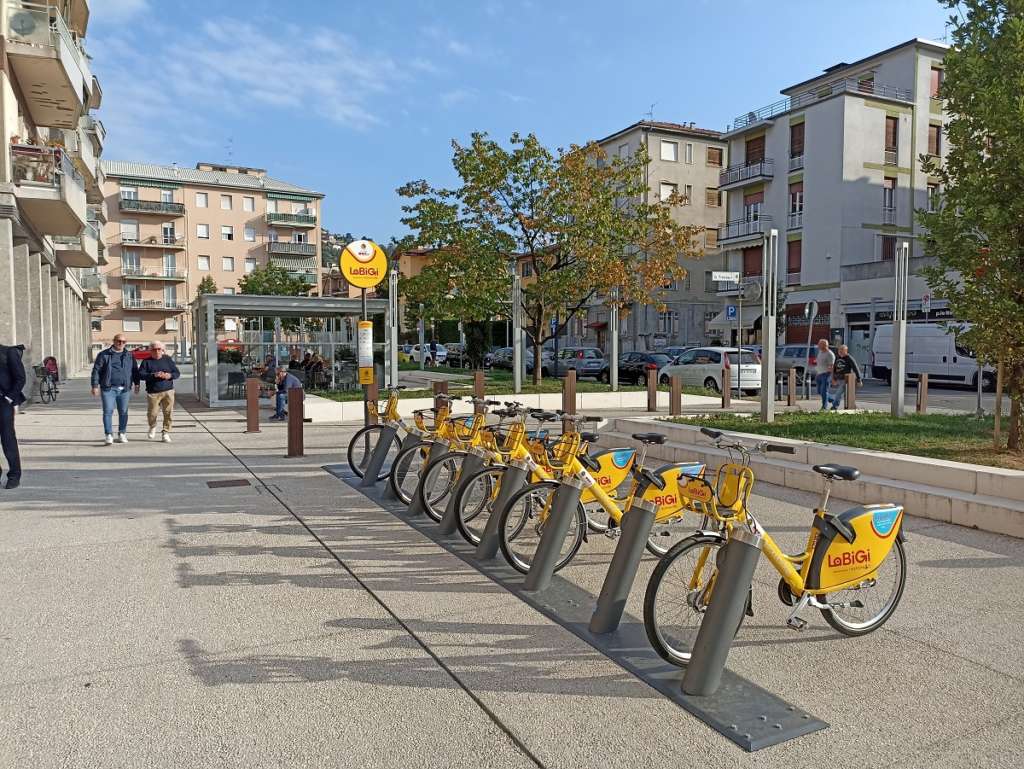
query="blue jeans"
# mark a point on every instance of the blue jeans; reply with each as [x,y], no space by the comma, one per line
[836,392]
[281,400]
[110,398]
[821,382]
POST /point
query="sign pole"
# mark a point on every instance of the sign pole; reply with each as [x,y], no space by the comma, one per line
[739,325]
[769,308]
[363,264]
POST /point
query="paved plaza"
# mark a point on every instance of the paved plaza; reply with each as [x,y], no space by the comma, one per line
[149,619]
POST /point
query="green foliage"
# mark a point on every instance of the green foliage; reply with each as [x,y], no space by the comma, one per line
[206,286]
[272,280]
[977,231]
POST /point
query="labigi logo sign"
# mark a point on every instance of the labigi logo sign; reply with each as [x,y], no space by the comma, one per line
[849,558]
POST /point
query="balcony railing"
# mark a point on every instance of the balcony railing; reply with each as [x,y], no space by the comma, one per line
[91,125]
[283,247]
[40,26]
[131,303]
[744,228]
[151,206]
[792,278]
[794,220]
[890,157]
[796,162]
[741,172]
[888,215]
[302,220]
[43,166]
[93,282]
[153,241]
[139,272]
[846,85]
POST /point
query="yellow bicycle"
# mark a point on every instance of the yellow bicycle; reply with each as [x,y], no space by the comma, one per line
[853,568]
[363,443]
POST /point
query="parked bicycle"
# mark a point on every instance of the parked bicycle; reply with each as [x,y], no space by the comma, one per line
[45,384]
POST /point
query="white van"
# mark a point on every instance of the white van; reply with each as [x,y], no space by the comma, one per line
[931,350]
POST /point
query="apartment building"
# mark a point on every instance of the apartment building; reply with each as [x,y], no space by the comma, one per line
[51,201]
[171,227]
[684,159]
[834,167]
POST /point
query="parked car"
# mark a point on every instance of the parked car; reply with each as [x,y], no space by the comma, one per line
[442,354]
[931,350]
[502,358]
[675,352]
[547,361]
[586,361]
[796,356]
[142,353]
[635,367]
[702,367]
[456,354]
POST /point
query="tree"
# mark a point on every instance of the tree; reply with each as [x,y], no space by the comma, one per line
[208,286]
[272,280]
[573,222]
[976,231]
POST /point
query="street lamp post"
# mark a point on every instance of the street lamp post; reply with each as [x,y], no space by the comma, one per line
[769,309]
[899,330]
[613,332]
[517,332]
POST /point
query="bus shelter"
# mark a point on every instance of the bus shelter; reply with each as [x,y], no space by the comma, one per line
[236,336]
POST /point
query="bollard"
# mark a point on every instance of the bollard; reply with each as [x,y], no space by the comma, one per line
[372,395]
[726,388]
[437,448]
[379,455]
[295,448]
[568,398]
[652,389]
[675,396]
[563,508]
[922,393]
[252,405]
[636,528]
[851,391]
[479,391]
[472,462]
[412,438]
[737,561]
[513,479]
[439,388]
[791,388]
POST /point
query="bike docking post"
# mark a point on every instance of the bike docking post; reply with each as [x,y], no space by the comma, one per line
[636,528]
[252,405]
[563,508]
[437,448]
[513,479]
[736,564]
[413,438]
[295,421]
[379,455]
[473,461]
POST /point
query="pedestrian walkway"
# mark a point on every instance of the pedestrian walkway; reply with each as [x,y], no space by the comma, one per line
[211,603]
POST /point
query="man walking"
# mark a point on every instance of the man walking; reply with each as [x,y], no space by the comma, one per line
[159,373]
[285,382]
[823,371]
[12,382]
[114,373]
[845,364]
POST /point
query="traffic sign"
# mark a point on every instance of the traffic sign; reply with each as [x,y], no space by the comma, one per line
[926,303]
[730,312]
[725,277]
[363,263]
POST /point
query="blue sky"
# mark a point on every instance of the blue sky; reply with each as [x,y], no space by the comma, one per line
[356,98]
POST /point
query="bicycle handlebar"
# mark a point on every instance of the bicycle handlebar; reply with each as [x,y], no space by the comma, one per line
[757,448]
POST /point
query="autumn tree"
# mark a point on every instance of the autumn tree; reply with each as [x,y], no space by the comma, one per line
[574,222]
[977,228]
[272,280]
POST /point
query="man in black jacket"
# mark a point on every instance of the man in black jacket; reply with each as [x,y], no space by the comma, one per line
[12,382]
[114,373]
[159,373]
[845,364]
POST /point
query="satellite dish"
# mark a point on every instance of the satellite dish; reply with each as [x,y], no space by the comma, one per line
[751,290]
[23,23]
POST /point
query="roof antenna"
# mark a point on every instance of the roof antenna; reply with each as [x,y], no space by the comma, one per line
[650,112]
[229,148]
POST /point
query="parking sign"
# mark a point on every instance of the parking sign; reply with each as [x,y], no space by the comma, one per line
[730,312]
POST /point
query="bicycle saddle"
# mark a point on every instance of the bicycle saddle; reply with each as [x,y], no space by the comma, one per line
[589,437]
[838,472]
[650,438]
[544,416]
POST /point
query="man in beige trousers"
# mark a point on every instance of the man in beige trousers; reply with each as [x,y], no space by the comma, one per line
[159,373]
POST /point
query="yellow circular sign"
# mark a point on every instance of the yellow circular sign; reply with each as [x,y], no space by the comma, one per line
[363,263]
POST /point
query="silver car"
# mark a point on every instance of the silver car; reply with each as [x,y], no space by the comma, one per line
[702,367]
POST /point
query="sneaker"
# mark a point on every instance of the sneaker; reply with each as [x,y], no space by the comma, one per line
[109,439]
[122,437]
[152,433]
[166,438]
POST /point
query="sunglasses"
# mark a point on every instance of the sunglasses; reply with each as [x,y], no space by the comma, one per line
[118,341]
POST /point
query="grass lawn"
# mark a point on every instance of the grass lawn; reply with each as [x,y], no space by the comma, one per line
[959,438]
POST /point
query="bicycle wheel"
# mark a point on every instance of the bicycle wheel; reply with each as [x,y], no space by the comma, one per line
[362,445]
[522,523]
[475,502]
[597,517]
[439,479]
[44,391]
[666,534]
[53,391]
[678,594]
[859,610]
[406,469]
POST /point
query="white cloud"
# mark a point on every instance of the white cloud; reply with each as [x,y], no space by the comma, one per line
[455,96]
[459,48]
[117,10]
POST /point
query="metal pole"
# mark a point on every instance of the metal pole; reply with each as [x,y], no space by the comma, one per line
[517,334]
[739,324]
[379,455]
[436,449]
[512,479]
[613,330]
[472,462]
[769,309]
[422,340]
[899,330]
[563,508]
[980,411]
[393,328]
[636,528]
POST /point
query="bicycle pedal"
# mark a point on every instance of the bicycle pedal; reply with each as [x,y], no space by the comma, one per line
[796,623]
[613,533]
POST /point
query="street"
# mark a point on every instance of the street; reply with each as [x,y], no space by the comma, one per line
[875,394]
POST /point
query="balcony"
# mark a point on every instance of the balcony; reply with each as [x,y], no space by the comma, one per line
[825,91]
[49,189]
[94,286]
[292,220]
[159,305]
[883,269]
[746,173]
[888,215]
[50,65]
[78,250]
[140,273]
[748,228]
[150,241]
[796,162]
[794,220]
[151,207]
[96,132]
[890,157]
[292,249]
[97,212]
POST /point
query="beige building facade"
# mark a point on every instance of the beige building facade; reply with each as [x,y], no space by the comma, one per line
[171,227]
[51,201]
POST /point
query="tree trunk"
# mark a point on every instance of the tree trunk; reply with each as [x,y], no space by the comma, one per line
[1014,440]
[999,405]
[538,361]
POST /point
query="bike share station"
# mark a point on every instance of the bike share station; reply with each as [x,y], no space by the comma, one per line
[745,713]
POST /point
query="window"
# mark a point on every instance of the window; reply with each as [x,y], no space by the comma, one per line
[131,294]
[129,231]
[527,269]
[230,324]
[688,194]
[203,231]
[794,257]
[129,262]
[752,206]
[299,237]
[300,208]
[796,140]
[935,140]
[689,153]
[203,263]
[250,264]
[250,233]
[170,296]
[938,75]
[227,232]
[752,258]
[167,231]
[225,202]
[889,197]
[248,203]
[229,291]
[271,236]
[892,128]
[131,324]
[624,151]
[670,151]
[710,238]
[712,197]
[888,248]
[796,197]
[754,150]
[227,263]
[171,324]
[271,206]
[166,196]
[170,264]
[668,322]
[202,200]
[667,190]
[715,157]
[129,193]
[933,197]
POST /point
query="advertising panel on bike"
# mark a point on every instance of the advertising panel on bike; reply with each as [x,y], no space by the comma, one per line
[851,546]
